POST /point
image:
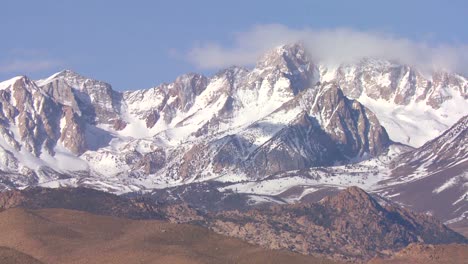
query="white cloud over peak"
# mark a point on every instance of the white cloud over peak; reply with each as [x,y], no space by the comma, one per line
[331,46]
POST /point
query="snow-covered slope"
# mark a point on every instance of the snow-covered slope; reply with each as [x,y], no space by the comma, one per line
[434,178]
[412,106]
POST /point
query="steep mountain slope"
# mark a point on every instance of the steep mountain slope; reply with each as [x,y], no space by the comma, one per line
[414,106]
[434,178]
[32,132]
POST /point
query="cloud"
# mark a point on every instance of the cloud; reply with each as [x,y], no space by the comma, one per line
[28,65]
[330,46]
[27,61]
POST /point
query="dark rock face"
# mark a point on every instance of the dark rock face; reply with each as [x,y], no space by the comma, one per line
[351,124]
[151,162]
[119,124]
[301,145]
[73,132]
[152,119]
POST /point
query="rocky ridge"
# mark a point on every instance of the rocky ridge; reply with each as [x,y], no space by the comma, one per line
[332,228]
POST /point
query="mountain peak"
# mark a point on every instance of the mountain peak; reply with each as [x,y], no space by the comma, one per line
[352,198]
[355,192]
[73,79]
[67,72]
[14,81]
[72,76]
[290,61]
[285,55]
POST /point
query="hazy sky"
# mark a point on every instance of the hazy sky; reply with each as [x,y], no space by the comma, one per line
[139,44]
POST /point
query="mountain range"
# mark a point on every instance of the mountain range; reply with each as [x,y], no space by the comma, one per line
[244,144]
[287,113]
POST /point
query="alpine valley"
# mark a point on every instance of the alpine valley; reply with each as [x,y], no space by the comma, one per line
[267,154]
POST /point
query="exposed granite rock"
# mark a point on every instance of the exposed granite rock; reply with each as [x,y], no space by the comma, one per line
[350,226]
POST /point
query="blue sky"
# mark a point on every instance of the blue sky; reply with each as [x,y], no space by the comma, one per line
[139,44]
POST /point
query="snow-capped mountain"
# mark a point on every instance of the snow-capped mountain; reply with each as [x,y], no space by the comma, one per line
[413,106]
[196,127]
[286,114]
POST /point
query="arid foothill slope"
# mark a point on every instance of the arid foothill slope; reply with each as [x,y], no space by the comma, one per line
[348,226]
[428,254]
[11,256]
[66,236]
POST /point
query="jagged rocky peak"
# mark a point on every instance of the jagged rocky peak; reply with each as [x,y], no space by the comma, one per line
[185,89]
[69,74]
[31,113]
[8,83]
[287,56]
[19,85]
[356,129]
[161,104]
[18,81]
[445,87]
[414,104]
[397,83]
[74,80]
[291,61]
[93,99]
[377,79]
